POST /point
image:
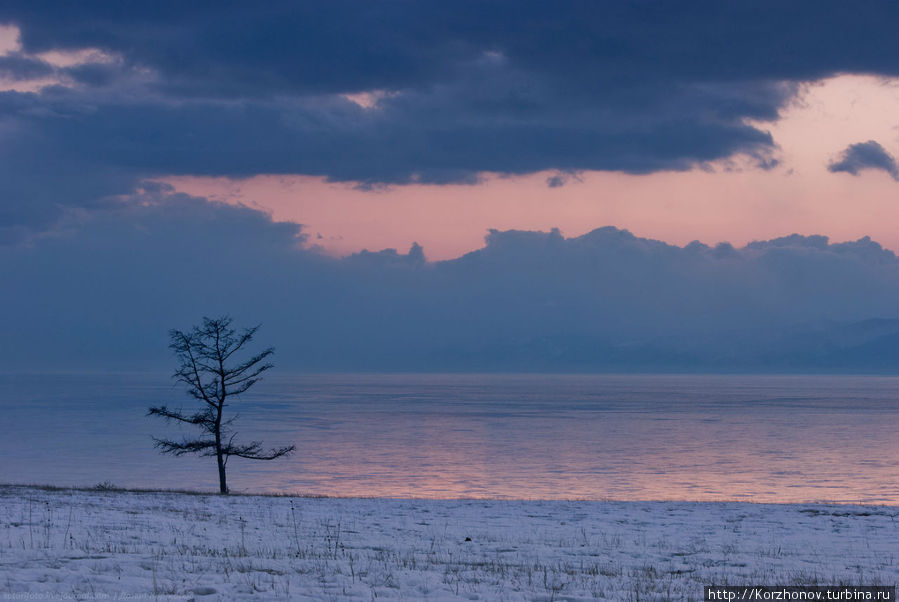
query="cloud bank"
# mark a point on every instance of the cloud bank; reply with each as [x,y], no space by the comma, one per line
[100,97]
[103,293]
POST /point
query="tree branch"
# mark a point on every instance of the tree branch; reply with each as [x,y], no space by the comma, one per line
[189,371]
[253,451]
[179,448]
[245,338]
[202,417]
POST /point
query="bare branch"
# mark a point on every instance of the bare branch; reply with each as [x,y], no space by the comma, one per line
[245,338]
[202,417]
[203,447]
[253,451]
[242,388]
[238,373]
[189,370]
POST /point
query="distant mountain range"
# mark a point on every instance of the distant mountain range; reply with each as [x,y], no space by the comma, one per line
[105,296]
[865,346]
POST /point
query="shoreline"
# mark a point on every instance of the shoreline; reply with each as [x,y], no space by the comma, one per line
[103,488]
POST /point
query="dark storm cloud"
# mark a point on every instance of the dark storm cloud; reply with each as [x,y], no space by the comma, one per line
[235,89]
[865,155]
[17,67]
[351,45]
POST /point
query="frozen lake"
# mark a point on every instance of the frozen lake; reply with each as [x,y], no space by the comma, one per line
[619,437]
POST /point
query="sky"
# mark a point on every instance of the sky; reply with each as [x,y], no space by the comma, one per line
[724,200]
[541,170]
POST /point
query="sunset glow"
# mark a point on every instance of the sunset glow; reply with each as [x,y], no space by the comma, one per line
[731,200]
[472,300]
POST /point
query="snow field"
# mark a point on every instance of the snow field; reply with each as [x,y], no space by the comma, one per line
[117,545]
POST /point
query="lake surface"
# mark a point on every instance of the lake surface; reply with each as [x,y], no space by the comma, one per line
[621,437]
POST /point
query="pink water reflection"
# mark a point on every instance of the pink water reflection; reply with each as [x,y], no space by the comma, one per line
[765,439]
[638,437]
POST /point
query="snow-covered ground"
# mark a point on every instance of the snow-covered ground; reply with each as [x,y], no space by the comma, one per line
[110,545]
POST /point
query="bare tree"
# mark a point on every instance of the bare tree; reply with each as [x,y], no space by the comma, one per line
[210,369]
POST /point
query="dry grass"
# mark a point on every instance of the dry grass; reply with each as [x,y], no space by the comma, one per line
[93,543]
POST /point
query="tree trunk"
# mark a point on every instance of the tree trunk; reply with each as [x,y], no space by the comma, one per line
[223,484]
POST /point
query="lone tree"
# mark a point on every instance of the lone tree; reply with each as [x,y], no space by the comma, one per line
[210,369]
